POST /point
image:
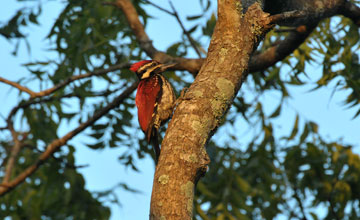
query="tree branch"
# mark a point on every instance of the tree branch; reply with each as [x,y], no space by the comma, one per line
[183,159]
[352,11]
[285,16]
[176,15]
[283,49]
[191,40]
[191,65]
[12,157]
[56,144]
[64,82]
[82,76]
[159,7]
[133,18]
[297,198]
[18,86]
[257,63]
[66,164]
[14,150]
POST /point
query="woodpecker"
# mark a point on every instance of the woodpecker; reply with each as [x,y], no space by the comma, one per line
[155,99]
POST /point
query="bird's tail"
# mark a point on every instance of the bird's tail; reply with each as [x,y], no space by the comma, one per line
[154,140]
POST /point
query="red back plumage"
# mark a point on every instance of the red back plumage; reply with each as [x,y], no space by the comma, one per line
[147,93]
[134,67]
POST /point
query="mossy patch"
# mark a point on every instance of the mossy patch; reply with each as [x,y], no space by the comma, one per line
[226,88]
[163,179]
[239,8]
[223,52]
[197,94]
[196,125]
[222,97]
[188,190]
[192,158]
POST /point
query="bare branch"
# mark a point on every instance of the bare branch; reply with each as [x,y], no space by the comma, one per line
[50,99]
[65,82]
[291,29]
[12,157]
[18,86]
[352,11]
[258,62]
[287,15]
[188,35]
[77,77]
[133,18]
[10,163]
[56,144]
[159,7]
[68,165]
[297,198]
[191,65]
[17,143]
[177,17]
[281,50]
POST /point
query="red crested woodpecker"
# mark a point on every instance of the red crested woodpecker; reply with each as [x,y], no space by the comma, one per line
[155,99]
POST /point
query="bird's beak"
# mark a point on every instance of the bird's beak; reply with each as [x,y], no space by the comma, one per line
[167,66]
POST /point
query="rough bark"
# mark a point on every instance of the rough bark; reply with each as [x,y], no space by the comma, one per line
[316,10]
[183,156]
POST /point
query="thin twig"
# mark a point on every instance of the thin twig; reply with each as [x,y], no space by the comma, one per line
[288,15]
[132,17]
[194,65]
[176,15]
[67,165]
[109,3]
[285,30]
[297,198]
[191,40]
[77,77]
[54,98]
[56,144]
[160,8]
[18,86]
[18,144]
[32,102]
[13,154]
[64,82]
[282,49]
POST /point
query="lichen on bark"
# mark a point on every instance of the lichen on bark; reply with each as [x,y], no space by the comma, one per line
[188,190]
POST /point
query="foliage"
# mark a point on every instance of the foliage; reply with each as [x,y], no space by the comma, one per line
[55,192]
[272,175]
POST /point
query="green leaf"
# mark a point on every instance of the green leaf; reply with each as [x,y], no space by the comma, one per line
[195,17]
[295,128]
[210,25]
[276,113]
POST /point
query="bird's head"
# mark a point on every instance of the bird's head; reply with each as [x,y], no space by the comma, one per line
[146,68]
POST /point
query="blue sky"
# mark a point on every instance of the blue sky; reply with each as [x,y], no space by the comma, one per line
[105,171]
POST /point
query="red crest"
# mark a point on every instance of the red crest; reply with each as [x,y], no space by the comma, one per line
[134,67]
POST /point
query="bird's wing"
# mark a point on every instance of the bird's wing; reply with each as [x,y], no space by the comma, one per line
[147,94]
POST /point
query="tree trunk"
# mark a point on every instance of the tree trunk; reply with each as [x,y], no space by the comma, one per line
[183,158]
